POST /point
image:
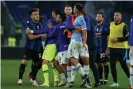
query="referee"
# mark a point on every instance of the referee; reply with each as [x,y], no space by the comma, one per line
[118,43]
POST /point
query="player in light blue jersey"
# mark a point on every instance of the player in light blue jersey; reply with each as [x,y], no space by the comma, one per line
[77,43]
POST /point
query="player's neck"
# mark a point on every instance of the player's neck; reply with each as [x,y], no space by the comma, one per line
[35,21]
[99,23]
[117,22]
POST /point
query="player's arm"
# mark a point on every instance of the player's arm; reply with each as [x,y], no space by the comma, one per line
[69,25]
[84,30]
[53,32]
[84,37]
[88,23]
[125,35]
[40,31]
[32,37]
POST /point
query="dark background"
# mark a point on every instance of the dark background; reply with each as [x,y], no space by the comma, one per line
[14,13]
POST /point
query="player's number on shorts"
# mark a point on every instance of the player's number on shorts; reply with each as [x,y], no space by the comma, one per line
[102,55]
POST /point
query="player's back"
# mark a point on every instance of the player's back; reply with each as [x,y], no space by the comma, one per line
[62,37]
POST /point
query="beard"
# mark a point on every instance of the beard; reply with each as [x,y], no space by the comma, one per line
[99,21]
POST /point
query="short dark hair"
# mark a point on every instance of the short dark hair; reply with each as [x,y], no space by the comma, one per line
[68,5]
[79,6]
[62,16]
[101,14]
[56,11]
[118,12]
[82,12]
[33,10]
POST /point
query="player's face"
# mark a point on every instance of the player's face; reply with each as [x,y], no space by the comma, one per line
[35,15]
[68,10]
[117,17]
[75,11]
[58,19]
[99,18]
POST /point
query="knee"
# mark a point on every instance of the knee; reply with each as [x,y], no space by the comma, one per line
[24,62]
[85,60]
[73,61]
[44,62]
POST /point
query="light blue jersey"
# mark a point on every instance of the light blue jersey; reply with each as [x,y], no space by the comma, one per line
[79,21]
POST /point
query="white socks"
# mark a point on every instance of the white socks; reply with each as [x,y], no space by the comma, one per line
[68,73]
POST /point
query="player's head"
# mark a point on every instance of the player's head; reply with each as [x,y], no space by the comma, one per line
[99,17]
[83,13]
[60,17]
[55,12]
[68,9]
[34,14]
[117,16]
[77,9]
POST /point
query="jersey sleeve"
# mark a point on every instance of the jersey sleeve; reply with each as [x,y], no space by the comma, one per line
[131,32]
[53,32]
[81,22]
[41,31]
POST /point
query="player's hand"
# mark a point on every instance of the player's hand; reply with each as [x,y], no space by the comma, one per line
[28,31]
[78,28]
[50,25]
[113,40]
[107,52]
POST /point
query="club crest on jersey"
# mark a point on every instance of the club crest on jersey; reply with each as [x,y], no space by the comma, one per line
[63,26]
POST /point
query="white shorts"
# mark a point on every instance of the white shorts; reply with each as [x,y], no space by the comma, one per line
[61,57]
[84,52]
[74,49]
[131,57]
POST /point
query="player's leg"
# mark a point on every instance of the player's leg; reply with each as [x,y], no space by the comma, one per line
[131,68]
[100,67]
[75,50]
[55,72]
[85,59]
[123,62]
[39,67]
[106,72]
[113,58]
[62,58]
[23,65]
[92,59]
[35,66]
[48,56]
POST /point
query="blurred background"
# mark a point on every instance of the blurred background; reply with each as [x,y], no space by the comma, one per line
[14,15]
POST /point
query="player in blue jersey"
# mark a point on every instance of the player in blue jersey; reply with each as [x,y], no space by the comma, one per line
[78,42]
[62,43]
[50,49]
[101,29]
[131,54]
[33,47]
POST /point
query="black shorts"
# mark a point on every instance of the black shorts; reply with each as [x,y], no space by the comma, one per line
[101,58]
[31,54]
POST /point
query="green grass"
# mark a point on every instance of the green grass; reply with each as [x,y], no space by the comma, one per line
[9,77]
